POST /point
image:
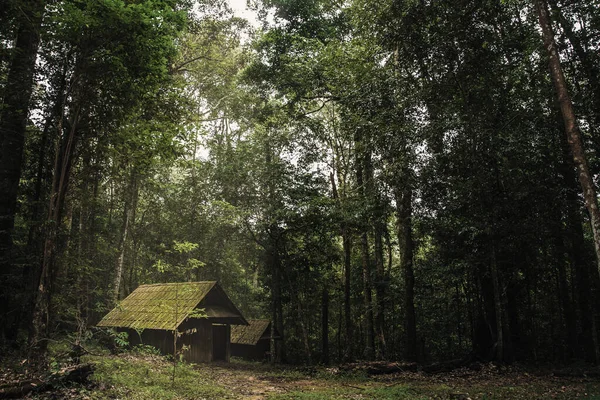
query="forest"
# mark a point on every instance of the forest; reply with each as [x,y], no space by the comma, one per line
[405,180]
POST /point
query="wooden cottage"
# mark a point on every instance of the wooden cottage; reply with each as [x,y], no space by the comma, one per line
[200,311]
[252,341]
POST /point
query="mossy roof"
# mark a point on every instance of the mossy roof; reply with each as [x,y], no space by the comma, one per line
[165,306]
[250,334]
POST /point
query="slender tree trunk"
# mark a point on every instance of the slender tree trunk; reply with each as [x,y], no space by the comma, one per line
[325,326]
[380,286]
[583,296]
[274,260]
[348,328]
[347,248]
[13,120]
[41,311]
[497,306]
[305,335]
[128,211]
[459,317]
[39,178]
[87,235]
[367,298]
[33,241]
[277,311]
[406,248]
[376,216]
[298,316]
[272,341]
[571,128]
[590,70]
[369,351]
[568,313]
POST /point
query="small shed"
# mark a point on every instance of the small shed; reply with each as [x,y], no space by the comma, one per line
[200,311]
[252,341]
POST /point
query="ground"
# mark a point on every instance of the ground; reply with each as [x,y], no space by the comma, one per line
[146,376]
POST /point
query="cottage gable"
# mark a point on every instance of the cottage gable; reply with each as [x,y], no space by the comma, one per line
[166,306]
[251,333]
[253,341]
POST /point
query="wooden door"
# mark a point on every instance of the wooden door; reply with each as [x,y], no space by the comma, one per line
[220,342]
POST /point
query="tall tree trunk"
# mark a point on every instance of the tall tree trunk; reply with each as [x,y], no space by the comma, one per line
[28,276]
[376,216]
[39,178]
[13,121]
[325,326]
[590,70]
[568,313]
[571,128]
[367,297]
[274,264]
[381,283]
[87,234]
[347,249]
[305,335]
[41,311]
[406,248]
[348,328]
[499,356]
[369,351]
[128,212]
[583,296]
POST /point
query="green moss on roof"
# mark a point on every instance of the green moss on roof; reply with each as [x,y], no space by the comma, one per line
[159,306]
[250,334]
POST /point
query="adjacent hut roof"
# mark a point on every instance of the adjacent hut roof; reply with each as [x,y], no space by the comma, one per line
[250,334]
[166,305]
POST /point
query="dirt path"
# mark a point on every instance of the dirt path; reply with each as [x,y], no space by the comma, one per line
[245,382]
[256,382]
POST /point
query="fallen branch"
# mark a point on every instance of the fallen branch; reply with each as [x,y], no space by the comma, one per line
[20,389]
[448,366]
[576,374]
[76,374]
[380,367]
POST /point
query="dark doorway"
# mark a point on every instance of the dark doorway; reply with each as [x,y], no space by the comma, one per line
[220,342]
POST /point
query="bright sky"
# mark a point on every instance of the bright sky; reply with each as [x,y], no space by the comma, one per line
[240,10]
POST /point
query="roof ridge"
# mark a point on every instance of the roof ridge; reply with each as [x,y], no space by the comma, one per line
[174,283]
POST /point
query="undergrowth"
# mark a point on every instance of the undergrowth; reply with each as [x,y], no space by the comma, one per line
[142,374]
[151,377]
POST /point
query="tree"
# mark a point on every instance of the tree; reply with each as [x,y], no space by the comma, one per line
[99,88]
[13,121]
[570,121]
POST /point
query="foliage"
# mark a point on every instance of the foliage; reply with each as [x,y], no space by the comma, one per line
[150,379]
[120,339]
[382,180]
[143,377]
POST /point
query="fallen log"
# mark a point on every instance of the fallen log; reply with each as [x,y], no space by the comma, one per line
[576,373]
[448,366]
[75,374]
[380,367]
[20,389]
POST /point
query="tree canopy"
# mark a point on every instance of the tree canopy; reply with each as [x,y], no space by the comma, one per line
[393,180]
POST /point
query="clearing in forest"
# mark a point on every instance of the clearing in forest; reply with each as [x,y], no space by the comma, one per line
[134,376]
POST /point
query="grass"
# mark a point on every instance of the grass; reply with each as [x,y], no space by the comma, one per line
[143,375]
[150,377]
[398,392]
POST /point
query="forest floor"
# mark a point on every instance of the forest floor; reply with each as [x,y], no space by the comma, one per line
[142,376]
